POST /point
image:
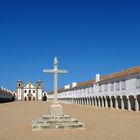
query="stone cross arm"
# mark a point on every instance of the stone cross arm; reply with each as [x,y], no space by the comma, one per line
[52,71]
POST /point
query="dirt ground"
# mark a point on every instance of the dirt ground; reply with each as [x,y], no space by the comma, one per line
[100,123]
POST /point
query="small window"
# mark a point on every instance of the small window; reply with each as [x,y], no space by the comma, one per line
[25,91]
[87,91]
[123,85]
[138,83]
[117,86]
[33,91]
[29,91]
[100,88]
[19,85]
[90,90]
[112,87]
[105,87]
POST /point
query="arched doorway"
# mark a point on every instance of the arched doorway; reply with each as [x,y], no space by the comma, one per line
[120,102]
[108,101]
[113,101]
[132,102]
[138,98]
[125,101]
[30,97]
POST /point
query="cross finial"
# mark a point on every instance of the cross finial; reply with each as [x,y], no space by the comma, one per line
[55,61]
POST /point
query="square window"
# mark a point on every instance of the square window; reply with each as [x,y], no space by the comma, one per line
[112,87]
[100,88]
[117,86]
[138,83]
[123,85]
[105,87]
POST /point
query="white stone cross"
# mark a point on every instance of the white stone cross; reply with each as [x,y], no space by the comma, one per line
[55,71]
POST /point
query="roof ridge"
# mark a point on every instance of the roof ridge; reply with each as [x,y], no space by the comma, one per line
[114,75]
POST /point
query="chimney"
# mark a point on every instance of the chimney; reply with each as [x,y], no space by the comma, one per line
[97,78]
[67,87]
[74,84]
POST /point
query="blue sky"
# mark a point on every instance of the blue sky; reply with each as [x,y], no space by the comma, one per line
[88,37]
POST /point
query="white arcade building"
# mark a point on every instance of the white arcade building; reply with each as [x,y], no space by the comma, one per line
[120,90]
[29,91]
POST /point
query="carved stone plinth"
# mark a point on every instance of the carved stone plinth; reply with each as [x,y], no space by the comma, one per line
[56,120]
[56,110]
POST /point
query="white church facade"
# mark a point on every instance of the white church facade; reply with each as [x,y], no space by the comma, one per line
[119,90]
[29,91]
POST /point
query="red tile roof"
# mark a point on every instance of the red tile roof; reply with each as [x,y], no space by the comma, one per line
[123,73]
[4,92]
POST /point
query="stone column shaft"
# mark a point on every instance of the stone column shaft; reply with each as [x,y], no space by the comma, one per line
[136,105]
[111,105]
[103,103]
[122,103]
[89,102]
[95,102]
[116,103]
[99,103]
[128,104]
[106,104]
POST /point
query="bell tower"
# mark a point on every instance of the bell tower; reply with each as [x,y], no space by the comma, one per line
[19,89]
[39,90]
[39,84]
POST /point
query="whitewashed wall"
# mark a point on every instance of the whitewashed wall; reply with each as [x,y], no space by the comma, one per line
[98,89]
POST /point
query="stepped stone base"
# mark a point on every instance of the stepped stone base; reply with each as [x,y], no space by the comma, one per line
[56,120]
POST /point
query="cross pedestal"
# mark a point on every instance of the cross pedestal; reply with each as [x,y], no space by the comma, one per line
[55,109]
[56,119]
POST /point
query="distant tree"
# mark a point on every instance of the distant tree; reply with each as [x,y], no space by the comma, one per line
[44,98]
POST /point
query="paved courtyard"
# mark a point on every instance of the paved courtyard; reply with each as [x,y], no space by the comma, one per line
[100,123]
